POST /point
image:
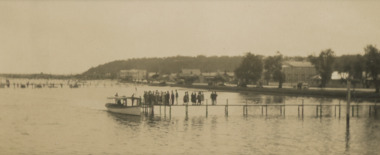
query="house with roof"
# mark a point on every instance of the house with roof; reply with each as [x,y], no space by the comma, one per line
[133,74]
[298,71]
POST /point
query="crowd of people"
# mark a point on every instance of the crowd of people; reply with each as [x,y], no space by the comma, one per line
[171,98]
[156,97]
[196,99]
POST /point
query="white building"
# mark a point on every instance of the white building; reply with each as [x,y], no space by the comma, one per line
[133,74]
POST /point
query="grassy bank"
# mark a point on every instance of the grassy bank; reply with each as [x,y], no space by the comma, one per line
[289,91]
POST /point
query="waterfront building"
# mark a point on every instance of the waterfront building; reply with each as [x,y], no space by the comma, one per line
[190,72]
[298,71]
[133,74]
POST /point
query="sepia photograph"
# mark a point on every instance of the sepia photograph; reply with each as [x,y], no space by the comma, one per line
[193,77]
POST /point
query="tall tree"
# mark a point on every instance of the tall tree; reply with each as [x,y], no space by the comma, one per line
[372,63]
[353,65]
[324,65]
[250,69]
[273,68]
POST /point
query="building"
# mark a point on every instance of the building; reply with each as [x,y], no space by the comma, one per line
[133,75]
[298,71]
[191,72]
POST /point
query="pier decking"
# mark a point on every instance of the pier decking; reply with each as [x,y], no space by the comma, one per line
[319,108]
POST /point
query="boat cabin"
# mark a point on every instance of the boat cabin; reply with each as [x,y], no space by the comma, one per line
[123,101]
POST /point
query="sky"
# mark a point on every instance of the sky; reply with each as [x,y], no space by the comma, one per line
[71,36]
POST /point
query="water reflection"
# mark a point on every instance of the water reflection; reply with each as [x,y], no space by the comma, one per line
[125,119]
[347,138]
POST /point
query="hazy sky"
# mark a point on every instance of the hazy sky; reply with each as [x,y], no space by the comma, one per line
[71,36]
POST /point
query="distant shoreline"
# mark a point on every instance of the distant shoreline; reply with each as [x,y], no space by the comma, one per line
[286,91]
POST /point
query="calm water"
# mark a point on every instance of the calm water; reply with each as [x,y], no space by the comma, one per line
[75,121]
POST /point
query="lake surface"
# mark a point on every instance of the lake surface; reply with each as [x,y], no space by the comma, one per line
[75,121]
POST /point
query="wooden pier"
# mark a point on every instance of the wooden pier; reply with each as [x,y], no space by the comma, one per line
[354,109]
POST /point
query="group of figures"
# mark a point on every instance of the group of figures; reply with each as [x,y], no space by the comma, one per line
[156,97]
[195,99]
[167,98]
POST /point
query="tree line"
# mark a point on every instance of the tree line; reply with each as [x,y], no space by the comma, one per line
[361,68]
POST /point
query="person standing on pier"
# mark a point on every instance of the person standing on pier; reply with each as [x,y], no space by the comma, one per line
[202,97]
[163,98]
[199,97]
[185,98]
[172,97]
[133,98]
[176,96]
[167,98]
[213,97]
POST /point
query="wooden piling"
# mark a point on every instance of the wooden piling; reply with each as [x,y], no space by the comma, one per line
[339,108]
[187,110]
[226,109]
[316,110]
[246,109]
[357,110]
[374,107]
[302,108]
[369,110]
[298,111]
[206,109]
[348,100]
[335,110]
[266,110]
[262,110]
[353,111]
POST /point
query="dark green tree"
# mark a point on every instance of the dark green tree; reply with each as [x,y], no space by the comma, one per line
[372,63]
[273,69]
[324,65]
[250,69]
[353,65]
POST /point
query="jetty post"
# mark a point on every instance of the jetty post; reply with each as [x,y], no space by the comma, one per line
[316,110]
[339,108]
[348,101]
[246,108]
[226,108]
[302,108]
[206,108]
[357,110]
[187,106]
[369,110]
[298,111]
[374,107]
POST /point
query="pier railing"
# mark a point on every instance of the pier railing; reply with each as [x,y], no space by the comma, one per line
[372,108]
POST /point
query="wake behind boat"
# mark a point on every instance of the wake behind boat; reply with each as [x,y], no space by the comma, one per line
[125,105]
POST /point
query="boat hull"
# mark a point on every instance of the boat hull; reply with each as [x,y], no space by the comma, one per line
[120,109]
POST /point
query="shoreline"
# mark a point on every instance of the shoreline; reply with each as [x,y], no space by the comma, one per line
[285,91]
